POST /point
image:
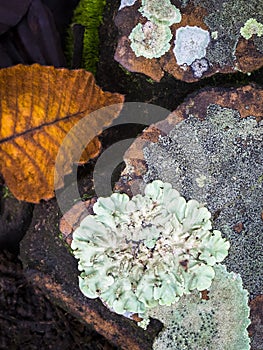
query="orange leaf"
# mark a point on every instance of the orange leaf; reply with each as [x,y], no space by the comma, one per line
[38,107]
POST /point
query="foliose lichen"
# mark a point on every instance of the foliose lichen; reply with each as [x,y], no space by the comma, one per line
[150,40]
[219,162]
[160,12]
[250,28]
[190,44]
[135,254]
[218,323]
[199,67]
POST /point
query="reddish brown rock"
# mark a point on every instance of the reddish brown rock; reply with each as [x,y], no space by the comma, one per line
[227,52]
[238,227]
[72,218]
[246,100]
[256,327]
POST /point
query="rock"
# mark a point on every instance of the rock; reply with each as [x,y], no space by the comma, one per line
[207,40]
[256,327]
[51,268]
[210,149]
[14,220]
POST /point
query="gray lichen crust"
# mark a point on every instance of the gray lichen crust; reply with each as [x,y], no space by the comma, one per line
[218,323]
[219,162]
[226,18]
[147,251]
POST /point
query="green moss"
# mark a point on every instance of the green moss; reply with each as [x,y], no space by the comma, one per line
[89,13]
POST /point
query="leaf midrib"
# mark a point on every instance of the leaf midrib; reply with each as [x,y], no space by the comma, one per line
[32,130]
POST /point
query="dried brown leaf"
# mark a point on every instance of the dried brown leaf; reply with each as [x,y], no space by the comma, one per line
[38,107]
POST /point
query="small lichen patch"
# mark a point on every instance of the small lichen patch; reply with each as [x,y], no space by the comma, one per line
[214,35]
[125,3]
[251,27]
[201,181]
[150,40]
[199,67]
[190,44]
[218,323]
[160,12]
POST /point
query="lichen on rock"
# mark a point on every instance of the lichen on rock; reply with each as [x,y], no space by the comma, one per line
[190,44]
[218,323]
[160,12]
[219,162]
[125,3]
[206,38]
[150,40]
[227,18]
[199,67]
[135,254]
[250,28]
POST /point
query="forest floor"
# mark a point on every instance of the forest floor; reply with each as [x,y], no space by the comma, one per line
[28,319]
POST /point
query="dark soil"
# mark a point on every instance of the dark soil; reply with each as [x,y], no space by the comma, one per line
[29,321]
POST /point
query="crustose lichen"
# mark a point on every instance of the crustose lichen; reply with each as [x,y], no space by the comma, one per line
[220,322]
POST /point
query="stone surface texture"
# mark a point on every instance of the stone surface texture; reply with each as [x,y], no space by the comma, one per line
[225,51]
[210,149]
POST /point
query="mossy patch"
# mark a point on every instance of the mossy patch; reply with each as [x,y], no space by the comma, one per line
[89,13]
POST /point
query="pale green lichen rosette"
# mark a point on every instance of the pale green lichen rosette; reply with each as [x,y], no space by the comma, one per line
[135,254]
